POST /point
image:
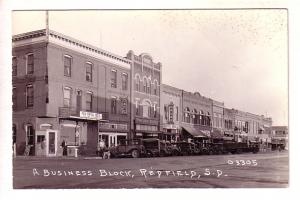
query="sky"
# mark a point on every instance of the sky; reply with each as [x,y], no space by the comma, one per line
[239,57]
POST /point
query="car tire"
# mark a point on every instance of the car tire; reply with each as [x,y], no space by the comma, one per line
[135,153]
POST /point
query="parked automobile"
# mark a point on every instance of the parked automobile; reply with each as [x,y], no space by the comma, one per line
[128,148]
[187,148]
[233,147]
[156,147]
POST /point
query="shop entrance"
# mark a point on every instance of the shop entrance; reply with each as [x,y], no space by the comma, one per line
[46,143]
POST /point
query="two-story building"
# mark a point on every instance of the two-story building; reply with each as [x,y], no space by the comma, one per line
[61,91]
[196,116]
[171,112]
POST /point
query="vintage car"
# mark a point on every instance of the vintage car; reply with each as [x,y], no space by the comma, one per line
[128,148]
[187,148]
[155,147]
[233,147]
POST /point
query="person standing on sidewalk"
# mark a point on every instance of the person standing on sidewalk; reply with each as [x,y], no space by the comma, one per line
[64,146]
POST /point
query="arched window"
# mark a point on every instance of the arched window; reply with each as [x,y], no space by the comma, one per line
[137,83]
[208,119]
[145,85]
[149,86]
[187,115]
[195,116]
[202,118]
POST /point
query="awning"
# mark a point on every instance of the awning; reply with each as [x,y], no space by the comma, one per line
[216,134]
[229,133]
[261,128]
[227,138]
[194,132]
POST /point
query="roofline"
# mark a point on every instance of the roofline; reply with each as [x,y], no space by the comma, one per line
[42,32]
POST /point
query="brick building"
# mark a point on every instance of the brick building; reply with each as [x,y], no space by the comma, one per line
[218,116]
[279,137]
[171,112]
[66,90]
[145,95]
[196,116]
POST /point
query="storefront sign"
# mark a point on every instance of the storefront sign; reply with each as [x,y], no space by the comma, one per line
[90,115]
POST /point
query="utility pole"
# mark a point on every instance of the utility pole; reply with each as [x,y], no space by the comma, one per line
[47,24]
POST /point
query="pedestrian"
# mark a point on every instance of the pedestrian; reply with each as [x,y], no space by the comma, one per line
[64,146]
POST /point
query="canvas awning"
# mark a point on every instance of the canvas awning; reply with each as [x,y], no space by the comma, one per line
[194,132]
[216,134]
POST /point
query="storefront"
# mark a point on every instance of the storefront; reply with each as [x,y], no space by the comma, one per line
[112,132]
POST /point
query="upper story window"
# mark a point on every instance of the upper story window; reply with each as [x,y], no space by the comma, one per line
[67,65]
[171,112]
[145,85]
[113,105]
[195,116]
[208,119]
[67,97]
[89,71]
[124,81]
[113,78]
[29,63]
[29,96]
[14,131]
[155,89]
[202,118]
[29,134]
[146,109]
[137,83]
[149,86]
[14,97]
[14,66]
[124,106]
[187,115]
[89,101]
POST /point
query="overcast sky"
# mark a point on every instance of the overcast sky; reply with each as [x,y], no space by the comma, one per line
[235,56]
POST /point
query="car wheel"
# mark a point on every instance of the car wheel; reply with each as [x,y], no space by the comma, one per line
[162,154]
[134,153]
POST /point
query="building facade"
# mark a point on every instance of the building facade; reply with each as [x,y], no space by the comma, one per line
[145,95]
[218,116]
[171,112]
[61,89]
[279,136]
[196,116]
[69,92]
